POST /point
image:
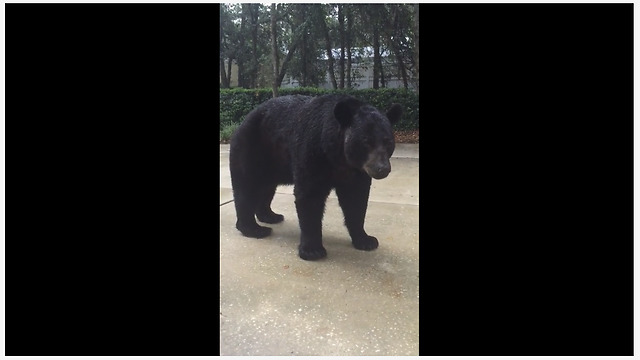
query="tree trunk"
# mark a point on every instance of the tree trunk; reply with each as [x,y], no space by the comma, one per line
[301,28]
[297,39]
[223,76]
[327,40]
[240,57]
[342,41]
[375,13]
[377,64]
[274,51]
[229,70]
[400,58]
[401,65]
[383,84]
[403,69]
[303,57]
[390,30]
[349,31]
[416,32]
[255,13]
[285,62]
[240,66]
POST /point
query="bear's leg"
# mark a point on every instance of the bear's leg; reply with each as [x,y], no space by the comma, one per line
[263,211]
[245,165]
[310,204]
[245,201]
[353,198]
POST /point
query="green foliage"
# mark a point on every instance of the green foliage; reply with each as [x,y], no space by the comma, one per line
[384,98]
[235,104]
[227,130]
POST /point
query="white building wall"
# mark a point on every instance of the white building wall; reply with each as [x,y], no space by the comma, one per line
[363,82]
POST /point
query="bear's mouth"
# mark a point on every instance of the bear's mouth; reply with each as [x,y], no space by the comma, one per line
[377,174]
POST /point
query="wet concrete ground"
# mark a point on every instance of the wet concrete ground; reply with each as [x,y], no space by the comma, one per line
[351,303]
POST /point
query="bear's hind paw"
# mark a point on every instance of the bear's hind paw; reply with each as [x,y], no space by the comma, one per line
[272,218]
[255,231]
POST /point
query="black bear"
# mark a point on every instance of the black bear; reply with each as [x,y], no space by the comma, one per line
[316,144]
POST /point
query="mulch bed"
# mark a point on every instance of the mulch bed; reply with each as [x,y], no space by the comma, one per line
[407,137]
[402,137]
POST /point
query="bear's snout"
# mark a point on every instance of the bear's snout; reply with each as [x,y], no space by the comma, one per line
[380,174]
[378,170]
[377,165]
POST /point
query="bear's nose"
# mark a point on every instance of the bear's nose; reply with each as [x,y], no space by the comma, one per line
[382,172]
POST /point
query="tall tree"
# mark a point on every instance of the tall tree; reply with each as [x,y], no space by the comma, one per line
[295,39]
[416,37]
[307,66]
[227,34]
[254,13]
[224,81]
[274,49]
[349,36]
[322,24]
[342,42]
[301,16]
[371,16]
[242,53]
[391,33]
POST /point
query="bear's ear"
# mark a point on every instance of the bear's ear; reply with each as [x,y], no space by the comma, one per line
[345,110]
[394,113]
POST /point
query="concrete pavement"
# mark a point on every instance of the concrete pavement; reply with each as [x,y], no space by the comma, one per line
[351,303]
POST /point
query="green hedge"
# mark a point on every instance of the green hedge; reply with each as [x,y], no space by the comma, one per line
[235,104]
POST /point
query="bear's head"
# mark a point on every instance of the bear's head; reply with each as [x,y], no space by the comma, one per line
[368,137]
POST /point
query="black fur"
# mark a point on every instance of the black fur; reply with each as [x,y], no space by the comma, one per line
[331,141]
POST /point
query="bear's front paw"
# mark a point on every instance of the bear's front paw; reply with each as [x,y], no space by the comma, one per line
[365,243]
[311,253]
